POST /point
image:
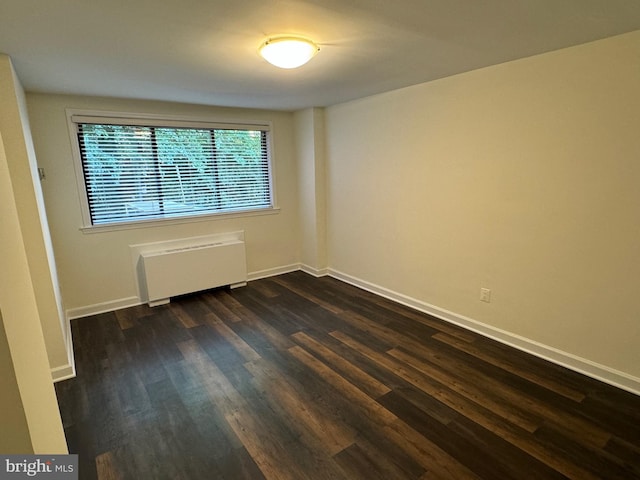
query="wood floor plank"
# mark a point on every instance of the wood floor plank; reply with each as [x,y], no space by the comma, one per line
[361,379]
[232,337]
[530,412]
[387,308]
[589,458]
[381,332]
[626,453]
[309,295]
[497,450]
[187,320]
[106,467]
[128,317]
[325,433]
[256,432]
[470,391]
[549,383]
[370,462]
[624,425]
[374,411]
[436,461]
[239,465]
[456,446]
[296,377]
[238,415]
[432,387]
[476,413]
[246,314]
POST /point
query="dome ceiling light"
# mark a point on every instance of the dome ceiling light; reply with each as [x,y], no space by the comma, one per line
[288,52]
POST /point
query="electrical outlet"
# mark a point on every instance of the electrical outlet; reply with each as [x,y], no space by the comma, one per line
[485,295]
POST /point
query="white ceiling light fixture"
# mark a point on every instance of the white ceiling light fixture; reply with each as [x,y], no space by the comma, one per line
[288,51]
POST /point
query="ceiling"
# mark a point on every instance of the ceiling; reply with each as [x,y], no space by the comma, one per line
[205,51]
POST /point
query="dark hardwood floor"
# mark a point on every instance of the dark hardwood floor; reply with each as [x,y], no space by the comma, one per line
[294,377]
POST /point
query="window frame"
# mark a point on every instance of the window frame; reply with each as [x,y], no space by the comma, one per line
[77,116]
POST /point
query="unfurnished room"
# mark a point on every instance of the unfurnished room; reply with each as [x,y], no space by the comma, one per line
[299,240]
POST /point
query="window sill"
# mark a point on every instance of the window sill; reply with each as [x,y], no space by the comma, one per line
[176,221]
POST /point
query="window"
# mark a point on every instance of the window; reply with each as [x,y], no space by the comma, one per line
[137,169]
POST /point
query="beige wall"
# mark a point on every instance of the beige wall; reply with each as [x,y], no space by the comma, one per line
[14,125]
[15,431]
[522,178]
[310,155]
[95,269]
[28,365]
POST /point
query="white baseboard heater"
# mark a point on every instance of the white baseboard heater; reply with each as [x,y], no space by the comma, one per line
[191,265]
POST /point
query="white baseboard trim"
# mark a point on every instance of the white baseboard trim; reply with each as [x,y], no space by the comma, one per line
[573,362]
[272,272]
[321,272]
[102,307]
[64,372]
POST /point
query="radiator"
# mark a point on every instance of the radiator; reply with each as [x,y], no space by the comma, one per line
[190,268]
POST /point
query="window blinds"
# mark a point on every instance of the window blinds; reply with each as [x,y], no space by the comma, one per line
[142,172]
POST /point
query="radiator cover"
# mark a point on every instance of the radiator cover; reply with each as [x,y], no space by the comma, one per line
[168,272]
